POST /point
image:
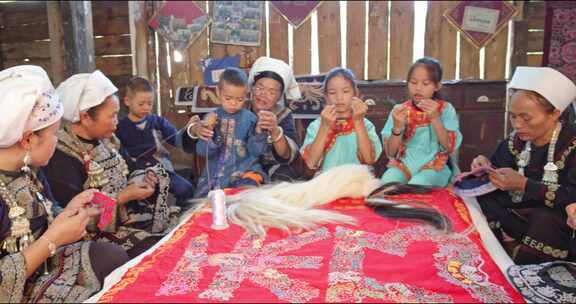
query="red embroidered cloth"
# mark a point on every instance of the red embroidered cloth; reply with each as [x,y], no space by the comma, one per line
[379,260]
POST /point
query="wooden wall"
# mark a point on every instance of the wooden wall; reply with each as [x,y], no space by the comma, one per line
[381,19]
[528,27]
[24,37]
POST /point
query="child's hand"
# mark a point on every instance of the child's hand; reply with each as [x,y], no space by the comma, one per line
[210,120]
[430,107]
[359,109]
[205,129]
[204,132]
[328,116]
[399,116]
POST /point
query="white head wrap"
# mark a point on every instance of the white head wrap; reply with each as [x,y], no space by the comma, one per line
[263,64]
[558,89]
[84,91]
[27,102]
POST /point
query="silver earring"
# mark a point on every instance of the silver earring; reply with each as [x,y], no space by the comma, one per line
[26,168]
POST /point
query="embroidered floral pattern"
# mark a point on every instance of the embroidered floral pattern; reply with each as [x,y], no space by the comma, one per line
[251,260]
[185,276]
[458,261]
[346,279]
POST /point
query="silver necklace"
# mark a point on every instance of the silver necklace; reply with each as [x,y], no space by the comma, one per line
[550,176]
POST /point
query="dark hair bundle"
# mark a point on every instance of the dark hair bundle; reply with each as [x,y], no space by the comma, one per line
[407,209]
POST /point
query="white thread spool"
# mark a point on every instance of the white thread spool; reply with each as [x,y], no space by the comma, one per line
[218,200]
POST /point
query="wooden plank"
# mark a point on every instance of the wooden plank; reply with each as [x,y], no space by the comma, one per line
[377,40]
[56,44]
[140,36]
[329,40]
[22,6]
[401,38]
[469,60]
[303,49]
[104,10]
[120,81]
[21,50]
[520,10]
[113,45]
[78,36]
[536,23]
[108,45]
[152,56]
[519,44]
[535,41]
[42,62]
[34,12]
[440,37]
[535,10]
[20,13]
[495,56]
[115,66]
[356,37]
[165,80]
[24,33]
[278,35]
[113,26]
[534,60]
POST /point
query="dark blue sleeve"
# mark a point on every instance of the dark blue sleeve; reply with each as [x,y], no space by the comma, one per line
[122,129]
[255,143]
[188,143]
[502,158]
[289,127]
[169,132]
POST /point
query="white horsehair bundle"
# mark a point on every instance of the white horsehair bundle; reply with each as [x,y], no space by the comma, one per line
[291,206]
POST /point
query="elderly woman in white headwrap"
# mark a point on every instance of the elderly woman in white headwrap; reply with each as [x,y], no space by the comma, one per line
[37,243]
[272,82]
[87,157]
[535,168]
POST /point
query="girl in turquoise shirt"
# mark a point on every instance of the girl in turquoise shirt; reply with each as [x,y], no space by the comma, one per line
[342,134]
[421,133]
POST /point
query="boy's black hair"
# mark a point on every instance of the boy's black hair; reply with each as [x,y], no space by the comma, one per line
[233,76]
[138,84]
